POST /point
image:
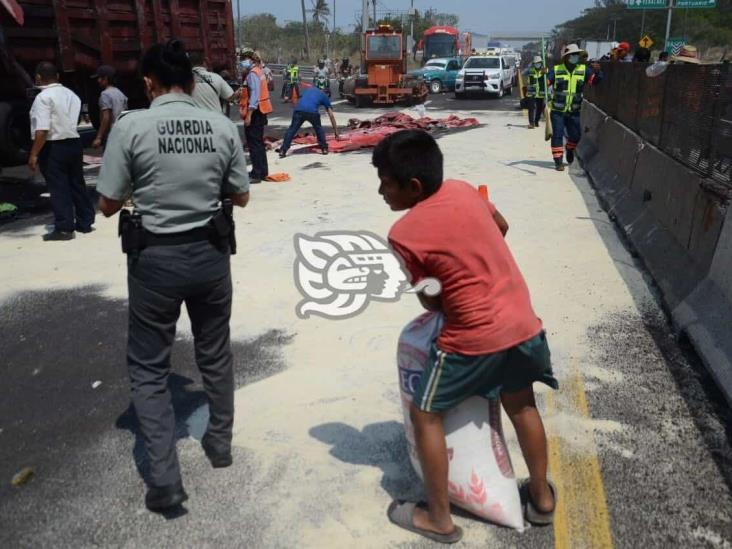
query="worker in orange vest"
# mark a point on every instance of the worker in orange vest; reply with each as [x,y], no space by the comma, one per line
[254,107]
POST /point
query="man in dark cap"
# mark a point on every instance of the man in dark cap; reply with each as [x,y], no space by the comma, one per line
[111,103]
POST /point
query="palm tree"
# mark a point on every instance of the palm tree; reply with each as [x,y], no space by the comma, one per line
[305,26]
[321,11]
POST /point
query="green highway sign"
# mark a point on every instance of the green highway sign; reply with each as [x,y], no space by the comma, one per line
[674,45]
[663,4]
[695,3]
[646,4]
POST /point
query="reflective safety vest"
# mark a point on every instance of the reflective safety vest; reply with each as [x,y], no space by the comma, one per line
[534,87]
[265,103]
[568,88]
[293,73]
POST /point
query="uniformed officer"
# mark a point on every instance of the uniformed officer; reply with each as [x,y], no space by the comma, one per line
[292,82]
[568,80]
[254,107]
[535,90]
[176,161]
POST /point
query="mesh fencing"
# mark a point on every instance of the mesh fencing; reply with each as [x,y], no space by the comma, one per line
[686,111]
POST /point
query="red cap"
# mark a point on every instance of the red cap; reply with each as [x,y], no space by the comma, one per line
[624,46]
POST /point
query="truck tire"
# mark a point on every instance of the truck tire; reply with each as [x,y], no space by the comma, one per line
[359,101]
[436,86]
[14,133]
[500,90]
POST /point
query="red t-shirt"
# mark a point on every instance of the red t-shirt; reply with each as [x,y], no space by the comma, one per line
[451,236]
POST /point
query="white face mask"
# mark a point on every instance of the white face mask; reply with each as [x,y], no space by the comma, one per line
[574,59]
[246,64]
[537,65]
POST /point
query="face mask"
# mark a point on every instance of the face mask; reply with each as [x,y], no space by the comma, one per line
[246,64]
[537,65]
[574,59]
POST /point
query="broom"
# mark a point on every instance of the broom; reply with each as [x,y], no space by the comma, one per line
[548,130]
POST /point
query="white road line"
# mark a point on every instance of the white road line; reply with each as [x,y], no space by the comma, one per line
[338,102]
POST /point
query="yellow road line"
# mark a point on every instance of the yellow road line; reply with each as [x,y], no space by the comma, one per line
[581,519]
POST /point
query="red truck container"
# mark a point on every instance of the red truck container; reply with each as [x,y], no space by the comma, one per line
[79,35]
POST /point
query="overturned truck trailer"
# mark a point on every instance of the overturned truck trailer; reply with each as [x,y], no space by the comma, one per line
[79,35]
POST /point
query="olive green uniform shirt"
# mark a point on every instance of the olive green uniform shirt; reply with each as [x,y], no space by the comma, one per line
[175,161]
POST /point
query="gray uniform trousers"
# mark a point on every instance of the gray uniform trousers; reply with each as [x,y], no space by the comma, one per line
[159,281]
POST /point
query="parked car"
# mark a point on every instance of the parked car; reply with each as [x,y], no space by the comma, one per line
[491,74]
[439,74]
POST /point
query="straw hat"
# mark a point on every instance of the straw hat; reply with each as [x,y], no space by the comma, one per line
[570,49]
[537,59]
[688,54]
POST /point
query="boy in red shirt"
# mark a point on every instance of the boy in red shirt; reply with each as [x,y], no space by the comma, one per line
[492,342]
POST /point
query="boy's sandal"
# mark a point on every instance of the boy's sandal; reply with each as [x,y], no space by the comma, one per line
[532,514]
[401,513]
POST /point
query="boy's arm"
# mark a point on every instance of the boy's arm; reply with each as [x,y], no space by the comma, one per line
[413,269]
[431,303]
[501,222]
[498,218]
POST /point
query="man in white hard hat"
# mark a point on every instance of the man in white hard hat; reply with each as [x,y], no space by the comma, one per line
[568,80]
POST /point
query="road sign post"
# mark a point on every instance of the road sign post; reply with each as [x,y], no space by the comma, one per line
[669,5]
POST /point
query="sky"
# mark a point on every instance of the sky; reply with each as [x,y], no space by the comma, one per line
[479,16]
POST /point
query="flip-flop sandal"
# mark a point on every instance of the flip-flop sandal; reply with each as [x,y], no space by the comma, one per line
[532,514]
[402,514]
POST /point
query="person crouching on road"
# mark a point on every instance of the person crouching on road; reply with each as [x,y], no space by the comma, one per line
[492,343]
[568,80]
[535,90]
[181,165]
[58,151]
[308,110]
[112,102]
[254,106]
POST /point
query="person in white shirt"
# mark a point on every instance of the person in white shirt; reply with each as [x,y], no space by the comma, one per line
[210,89]
[58,151]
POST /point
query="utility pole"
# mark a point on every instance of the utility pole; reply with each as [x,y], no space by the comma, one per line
[305,25]
[238,23]
[364,15]
[334,23]
[643,24]
[411,29]
[668,22]
[373,2]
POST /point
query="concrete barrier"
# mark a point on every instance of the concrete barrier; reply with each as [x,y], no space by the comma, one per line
[679,224]
[706,314]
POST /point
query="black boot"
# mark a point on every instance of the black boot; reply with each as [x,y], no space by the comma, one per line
[570,156]
[161,498]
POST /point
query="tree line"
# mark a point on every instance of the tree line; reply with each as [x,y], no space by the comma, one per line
[281,42]
[708,29]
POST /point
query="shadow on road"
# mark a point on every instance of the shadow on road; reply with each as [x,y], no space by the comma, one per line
[381,445]
[186,405]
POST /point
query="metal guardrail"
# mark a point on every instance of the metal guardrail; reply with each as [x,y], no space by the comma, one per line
[305,71]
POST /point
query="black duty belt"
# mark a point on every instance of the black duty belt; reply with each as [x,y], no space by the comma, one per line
[198,234]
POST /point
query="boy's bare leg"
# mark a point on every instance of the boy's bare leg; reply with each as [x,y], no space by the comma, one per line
[429,435]
[521,409]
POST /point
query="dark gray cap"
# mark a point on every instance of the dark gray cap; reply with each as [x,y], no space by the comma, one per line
[104,70]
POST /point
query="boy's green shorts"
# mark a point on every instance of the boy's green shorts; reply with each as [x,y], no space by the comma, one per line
[451,378]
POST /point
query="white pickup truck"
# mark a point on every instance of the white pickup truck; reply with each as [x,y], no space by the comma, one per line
[492,74]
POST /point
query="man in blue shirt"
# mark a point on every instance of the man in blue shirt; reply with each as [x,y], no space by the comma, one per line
[308,110]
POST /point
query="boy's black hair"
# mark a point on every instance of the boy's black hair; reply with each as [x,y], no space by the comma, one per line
[410,154]
[47,71]
[169,63]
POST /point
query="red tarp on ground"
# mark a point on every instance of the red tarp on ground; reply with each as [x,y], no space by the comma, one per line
[364,134]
